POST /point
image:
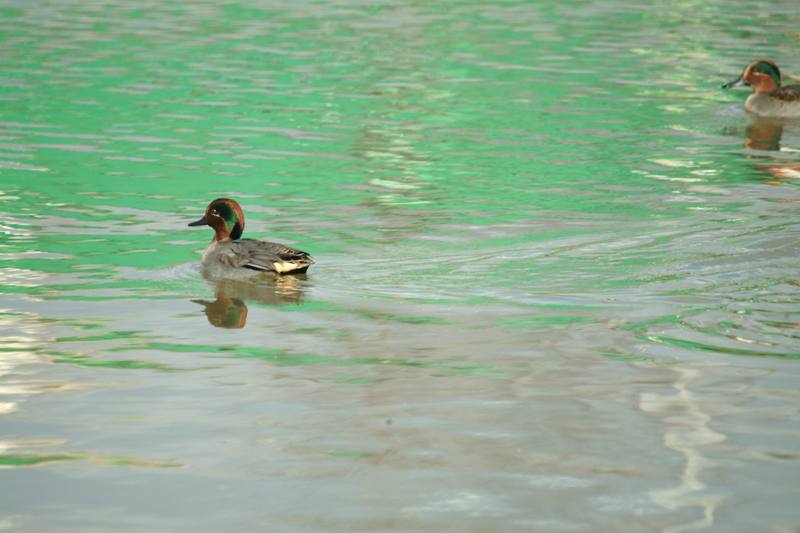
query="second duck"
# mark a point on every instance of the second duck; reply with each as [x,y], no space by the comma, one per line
[769,97]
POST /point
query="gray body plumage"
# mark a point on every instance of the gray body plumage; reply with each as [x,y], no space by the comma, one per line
[784,102]
[249,257]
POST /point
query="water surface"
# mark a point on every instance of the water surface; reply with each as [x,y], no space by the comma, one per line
[556,285]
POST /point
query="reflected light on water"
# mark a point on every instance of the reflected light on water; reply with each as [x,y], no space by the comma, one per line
[21,342]
[687,431]
[18,277]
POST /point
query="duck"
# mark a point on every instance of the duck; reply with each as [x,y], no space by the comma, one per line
[769,97]
[230,256]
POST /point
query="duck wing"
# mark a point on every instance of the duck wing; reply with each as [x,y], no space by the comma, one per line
[266,256]
[788,93]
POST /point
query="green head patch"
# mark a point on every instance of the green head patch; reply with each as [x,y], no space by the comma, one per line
[231,213]
[770,69]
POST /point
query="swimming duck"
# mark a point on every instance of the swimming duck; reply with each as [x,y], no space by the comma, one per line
[769,98]
[229,255]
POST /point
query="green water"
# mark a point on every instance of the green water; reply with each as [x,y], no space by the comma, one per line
[555,287]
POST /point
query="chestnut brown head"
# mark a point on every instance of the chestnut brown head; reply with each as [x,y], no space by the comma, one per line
[226,217]
[762,75]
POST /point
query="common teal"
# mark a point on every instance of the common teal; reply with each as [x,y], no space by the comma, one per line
[769,98]
[230,256]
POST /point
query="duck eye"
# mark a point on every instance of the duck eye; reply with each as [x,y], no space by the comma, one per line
[214,212]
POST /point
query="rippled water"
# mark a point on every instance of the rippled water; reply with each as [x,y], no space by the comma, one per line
[556,285]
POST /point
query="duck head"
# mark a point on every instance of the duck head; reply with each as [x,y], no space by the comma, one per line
[226,217]
[762,75]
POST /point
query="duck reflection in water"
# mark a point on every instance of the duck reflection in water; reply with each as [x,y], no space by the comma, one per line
[229,309]
[765,135]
